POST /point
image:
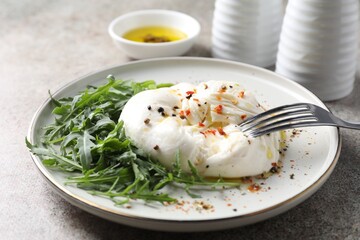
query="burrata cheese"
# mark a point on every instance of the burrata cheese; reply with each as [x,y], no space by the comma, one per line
[201,123]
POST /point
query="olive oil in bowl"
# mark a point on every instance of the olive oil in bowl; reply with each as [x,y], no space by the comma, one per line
[154,34]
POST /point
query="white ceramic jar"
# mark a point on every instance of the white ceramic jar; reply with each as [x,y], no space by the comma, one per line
[247,30]
[318,46]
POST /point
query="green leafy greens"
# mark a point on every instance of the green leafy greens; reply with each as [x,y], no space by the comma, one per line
[86,138]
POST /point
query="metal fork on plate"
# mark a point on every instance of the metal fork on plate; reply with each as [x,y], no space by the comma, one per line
[292,116]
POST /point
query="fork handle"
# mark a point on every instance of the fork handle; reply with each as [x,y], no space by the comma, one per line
[346,124]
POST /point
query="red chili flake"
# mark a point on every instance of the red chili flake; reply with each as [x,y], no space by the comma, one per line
[274,164]
[222,89]
[201,124]
[243,116]
[241,94]
[213,131]
[182,114]
[196,100]
[209,131]
[187,112]
[189,94]
[221,131]
[254,187]
[246,180]
[218,109]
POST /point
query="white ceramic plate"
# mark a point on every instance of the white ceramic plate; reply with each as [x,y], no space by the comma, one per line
[310,158]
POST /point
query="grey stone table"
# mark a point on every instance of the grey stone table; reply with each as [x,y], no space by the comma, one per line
[45,44]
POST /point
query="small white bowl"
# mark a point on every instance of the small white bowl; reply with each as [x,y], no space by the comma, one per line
[138,50]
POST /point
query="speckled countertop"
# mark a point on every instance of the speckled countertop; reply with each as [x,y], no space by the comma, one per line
[45,44]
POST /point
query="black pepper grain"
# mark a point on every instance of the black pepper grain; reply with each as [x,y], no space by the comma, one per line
[292,176]
[156,147]
[147,121]
[161,109]
[149,107]
[274,170]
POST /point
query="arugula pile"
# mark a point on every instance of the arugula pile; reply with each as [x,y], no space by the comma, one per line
[87,138]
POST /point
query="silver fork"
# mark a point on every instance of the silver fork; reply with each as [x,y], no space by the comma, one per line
[292,116]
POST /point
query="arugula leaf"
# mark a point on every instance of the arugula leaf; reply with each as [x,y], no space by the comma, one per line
[84,144]
[73,165]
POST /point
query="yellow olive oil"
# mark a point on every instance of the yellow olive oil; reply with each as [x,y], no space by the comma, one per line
[154,34]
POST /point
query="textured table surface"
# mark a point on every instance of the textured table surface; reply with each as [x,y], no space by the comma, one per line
[45,44]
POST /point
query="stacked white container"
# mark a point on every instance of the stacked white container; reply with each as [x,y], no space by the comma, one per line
[318,46]
[247,30]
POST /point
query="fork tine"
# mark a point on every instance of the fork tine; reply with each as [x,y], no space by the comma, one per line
[258,132]
[284,123]
[284,115]
[273,111]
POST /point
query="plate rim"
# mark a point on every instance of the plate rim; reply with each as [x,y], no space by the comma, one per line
[107,213]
